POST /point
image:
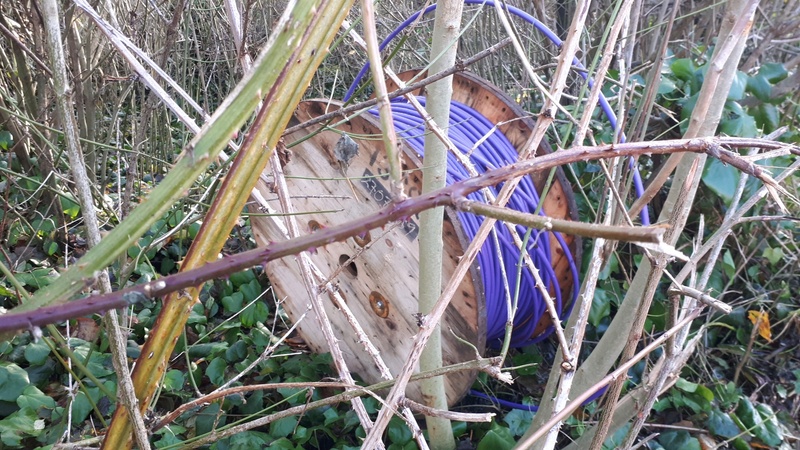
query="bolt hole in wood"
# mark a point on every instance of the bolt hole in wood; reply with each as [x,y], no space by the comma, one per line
[379,304]
[351,267]
[313,226]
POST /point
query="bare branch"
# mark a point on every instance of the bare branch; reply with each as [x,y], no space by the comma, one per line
[396,211]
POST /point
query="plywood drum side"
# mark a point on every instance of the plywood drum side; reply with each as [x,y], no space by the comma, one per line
[380,285]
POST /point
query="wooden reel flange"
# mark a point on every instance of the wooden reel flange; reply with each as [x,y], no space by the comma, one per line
[376,274]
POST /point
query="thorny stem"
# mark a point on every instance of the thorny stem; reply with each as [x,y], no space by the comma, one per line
[396,211]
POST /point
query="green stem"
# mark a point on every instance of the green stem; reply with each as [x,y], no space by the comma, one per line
[651,233]
[446,27]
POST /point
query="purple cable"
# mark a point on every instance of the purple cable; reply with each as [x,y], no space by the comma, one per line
[504,403]
[609,113]
[531,408]
[467,127]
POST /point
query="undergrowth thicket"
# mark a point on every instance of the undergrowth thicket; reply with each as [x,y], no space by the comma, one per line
[742,388]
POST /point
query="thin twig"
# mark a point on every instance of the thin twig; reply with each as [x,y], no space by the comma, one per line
[127,395]
[460,66]
[450,415]
[700,112]
[650,233]
[25,49]
[222,393]
[620,372]
[343,397]
[702,296]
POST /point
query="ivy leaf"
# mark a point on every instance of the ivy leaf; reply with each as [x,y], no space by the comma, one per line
[256,312]
[282,427]
[757,420]
[331,416]
[773,72]
[13,381]
[721,424]
[169,437]
[36,353]
[302,435]
[197,315]
[666,86]
[398,431]
[6,140]
[236,352]
[17,426]
[685,385]
[760,87]
[243,441]
[770,433]
[51,248]
[518,421]
[687,106]
[610,267]
[35,400]
[216,371]
[37,278]
[210,419]
[70,207]
[459,429]
[741,444]
[233,303]
[527,364]
[727,264]
[683,69]
[294,396]
[722,179]
[601,307]
[697,403]
[498,438]
[81,406]
[251,290]
[662,404]
[255,403]
[175,218]
[773,255]
[767,117]
[282,444]
[679,439]
[100,364]
[738,86]
[617,439]
[741,125]
[243,277]
[698,397]
[174,380]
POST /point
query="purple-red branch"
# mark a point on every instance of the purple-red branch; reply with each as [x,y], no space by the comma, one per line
[395,211]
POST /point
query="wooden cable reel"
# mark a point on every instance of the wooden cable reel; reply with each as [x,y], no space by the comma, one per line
[379,285]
